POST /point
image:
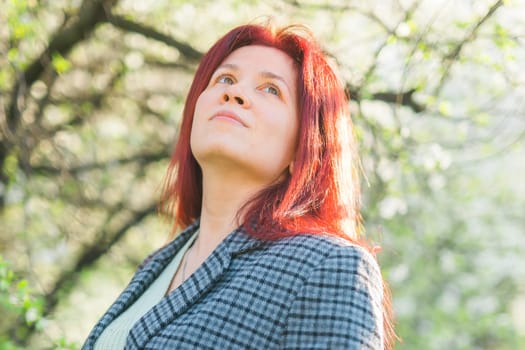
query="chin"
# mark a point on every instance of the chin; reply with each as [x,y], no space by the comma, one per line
[222,152]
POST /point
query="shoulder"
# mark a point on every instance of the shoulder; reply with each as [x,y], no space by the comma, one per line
[326,251]
[325,260]
[341,294]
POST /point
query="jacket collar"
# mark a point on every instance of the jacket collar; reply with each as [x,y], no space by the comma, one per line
[171,306]
[178,301]
[236,242]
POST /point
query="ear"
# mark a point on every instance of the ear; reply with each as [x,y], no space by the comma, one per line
[290,167]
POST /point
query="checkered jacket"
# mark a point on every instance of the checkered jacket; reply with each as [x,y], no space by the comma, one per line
[302,292]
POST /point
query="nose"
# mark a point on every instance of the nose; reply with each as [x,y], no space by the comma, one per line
[234,94]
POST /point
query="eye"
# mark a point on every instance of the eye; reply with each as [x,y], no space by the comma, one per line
[271,89]
[225,79]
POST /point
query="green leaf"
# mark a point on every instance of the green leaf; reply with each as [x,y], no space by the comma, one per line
[482,119]
[392,39]
[462,24]
[22,284]
[425,50]
[502,38]
[12,54]
[11,166]
[444,108]
[60,64]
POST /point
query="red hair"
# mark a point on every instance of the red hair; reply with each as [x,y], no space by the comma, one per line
[321,195]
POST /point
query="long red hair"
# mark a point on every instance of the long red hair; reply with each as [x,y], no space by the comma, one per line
[321,195]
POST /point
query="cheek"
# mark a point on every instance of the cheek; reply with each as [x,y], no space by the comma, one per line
[290,129]
[285,133]
[291,140]
[205,101]
[195,125]
[199,104]
[200,110]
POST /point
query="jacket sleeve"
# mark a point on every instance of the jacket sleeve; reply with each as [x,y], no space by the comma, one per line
[340,304]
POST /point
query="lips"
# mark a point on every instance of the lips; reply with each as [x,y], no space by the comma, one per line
[228,115]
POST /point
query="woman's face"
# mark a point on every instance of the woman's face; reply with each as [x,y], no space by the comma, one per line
[246,118]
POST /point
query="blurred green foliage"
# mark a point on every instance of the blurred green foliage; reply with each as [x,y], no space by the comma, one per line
[91,94]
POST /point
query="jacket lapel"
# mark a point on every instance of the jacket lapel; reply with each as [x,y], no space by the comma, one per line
[178,301]
[145,275]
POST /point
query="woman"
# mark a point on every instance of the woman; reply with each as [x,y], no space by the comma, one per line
[263,181]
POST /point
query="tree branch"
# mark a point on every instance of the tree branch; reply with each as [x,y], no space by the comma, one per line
[47,170]
[150,32]
[89,256]
[452,56]
[91,13]
[403,98]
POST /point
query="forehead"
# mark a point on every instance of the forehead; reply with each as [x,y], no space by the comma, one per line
[263,59]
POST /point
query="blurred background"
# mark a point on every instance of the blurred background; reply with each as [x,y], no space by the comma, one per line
[91,93]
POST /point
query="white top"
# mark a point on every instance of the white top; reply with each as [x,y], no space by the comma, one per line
[114,336]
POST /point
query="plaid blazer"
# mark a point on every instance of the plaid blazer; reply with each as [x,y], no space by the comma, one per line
[301,292]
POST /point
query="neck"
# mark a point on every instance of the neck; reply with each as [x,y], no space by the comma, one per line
[223,197]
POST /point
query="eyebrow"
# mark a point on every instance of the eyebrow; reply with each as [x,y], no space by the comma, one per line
[265,74]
